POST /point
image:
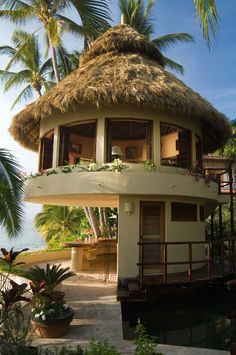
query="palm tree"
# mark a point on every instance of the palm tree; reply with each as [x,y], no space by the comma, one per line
[11,190]
[93,14]
[58,222]
[137,15]
[33,72]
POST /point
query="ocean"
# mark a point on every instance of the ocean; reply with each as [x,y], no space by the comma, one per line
[28,238]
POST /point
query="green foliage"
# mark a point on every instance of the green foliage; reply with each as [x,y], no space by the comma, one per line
[101,347]
[59,223]
[11,193]
[63,351]
[48,278]
[16,332]
[149,165]
[144,343]
[33,73]
[226,229]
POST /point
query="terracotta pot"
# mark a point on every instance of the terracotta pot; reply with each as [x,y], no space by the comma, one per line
[53,328]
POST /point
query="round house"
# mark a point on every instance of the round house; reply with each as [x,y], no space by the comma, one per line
[130,135]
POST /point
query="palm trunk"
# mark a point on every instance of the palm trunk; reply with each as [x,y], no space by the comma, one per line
[89,212]
[54,63]
[101,220]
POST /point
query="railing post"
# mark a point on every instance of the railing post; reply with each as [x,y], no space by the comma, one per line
[222,255]
[141,273]
[209,259]
[190,269]
[165,263]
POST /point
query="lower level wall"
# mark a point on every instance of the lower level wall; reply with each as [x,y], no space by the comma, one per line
[129,234]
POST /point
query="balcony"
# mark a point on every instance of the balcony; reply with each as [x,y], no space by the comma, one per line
[93,185]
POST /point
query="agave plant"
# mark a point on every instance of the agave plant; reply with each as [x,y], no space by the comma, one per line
[47,279]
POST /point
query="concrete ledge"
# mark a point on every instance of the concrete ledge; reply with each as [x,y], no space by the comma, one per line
[44,256]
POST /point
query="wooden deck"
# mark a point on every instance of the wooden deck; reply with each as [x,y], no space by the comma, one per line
[198,275]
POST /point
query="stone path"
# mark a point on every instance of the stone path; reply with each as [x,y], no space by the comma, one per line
[98,315]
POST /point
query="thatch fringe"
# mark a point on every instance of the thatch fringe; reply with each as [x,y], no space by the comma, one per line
[112,79]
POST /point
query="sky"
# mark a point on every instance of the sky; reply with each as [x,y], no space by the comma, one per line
[211,73]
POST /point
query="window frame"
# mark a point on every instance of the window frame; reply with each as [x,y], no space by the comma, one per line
[107,142]
[41,151]
[61,137]
[178,127]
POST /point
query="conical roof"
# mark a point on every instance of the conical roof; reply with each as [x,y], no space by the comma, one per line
[122,67]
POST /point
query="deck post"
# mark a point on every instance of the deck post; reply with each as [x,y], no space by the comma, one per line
[222,255]
[165,263]
[209,258]
[190,270]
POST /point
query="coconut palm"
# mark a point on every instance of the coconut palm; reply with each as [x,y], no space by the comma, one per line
[93,14]
[32,73]
[11,190]
[139,16]
[58,222]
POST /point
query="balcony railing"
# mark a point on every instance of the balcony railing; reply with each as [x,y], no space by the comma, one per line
[223,177]
[218,261]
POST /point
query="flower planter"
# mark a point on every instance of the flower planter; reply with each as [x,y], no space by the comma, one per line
[53,328]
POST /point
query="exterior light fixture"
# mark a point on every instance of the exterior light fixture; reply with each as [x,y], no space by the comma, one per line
[128,207]
[116,152]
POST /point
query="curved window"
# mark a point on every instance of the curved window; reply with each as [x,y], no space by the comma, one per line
[176,147]
[46,151]
[77,143]
[129,140]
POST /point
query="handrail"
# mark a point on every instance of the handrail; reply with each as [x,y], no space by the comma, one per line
[224,186]
[209,260]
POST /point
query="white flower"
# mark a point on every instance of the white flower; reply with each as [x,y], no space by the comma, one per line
[37,315]
[92,167]
[43,317]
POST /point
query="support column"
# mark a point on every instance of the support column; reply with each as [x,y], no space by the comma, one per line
[76,259]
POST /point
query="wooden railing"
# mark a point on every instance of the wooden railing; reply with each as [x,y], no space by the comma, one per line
[220,255]
[225,185]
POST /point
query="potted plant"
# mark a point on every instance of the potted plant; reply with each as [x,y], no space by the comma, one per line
[51,316]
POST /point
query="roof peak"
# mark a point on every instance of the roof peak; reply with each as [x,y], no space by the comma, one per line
[122,39]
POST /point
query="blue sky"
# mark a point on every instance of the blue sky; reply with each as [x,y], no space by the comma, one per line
[212,74]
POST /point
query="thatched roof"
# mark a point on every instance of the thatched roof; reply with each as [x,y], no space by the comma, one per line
[122,67]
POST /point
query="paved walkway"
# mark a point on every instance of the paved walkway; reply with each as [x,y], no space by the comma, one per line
[98,315]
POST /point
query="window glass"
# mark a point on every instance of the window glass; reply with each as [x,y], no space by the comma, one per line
[78,143]
[183,212]
[175,146]
[129,140]
[46,151]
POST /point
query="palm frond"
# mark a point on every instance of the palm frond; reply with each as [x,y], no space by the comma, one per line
[207,13]
[93,14]
[26,93]
[7,50]
[15,79]
[17,16]
[173,65]
[11,211]
[71,26]
[167,41]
